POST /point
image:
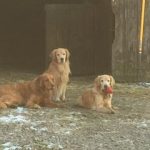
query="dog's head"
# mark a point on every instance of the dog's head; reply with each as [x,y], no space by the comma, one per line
[60,55]
[45,82]
[104,81]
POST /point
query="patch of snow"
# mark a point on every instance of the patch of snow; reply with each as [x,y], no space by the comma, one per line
[6,144]
[50,145]
[60,146]
[20,110]
[33,128]
[71,118]
[44,129]
[28,147]
[144,84]
[67,132]
[142,125]
[54,146]
[73,124]
[39,122]
[13,119]
[106,120]
[10,146]
[75,113]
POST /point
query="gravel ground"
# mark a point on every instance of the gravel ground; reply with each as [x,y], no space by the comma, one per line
[74,128]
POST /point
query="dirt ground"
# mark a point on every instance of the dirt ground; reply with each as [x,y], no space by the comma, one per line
[74,128]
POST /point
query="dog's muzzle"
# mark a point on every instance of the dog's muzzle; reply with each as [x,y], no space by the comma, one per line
[105,86]
[62,60]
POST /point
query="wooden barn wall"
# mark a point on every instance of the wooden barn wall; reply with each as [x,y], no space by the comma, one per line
[22,34]
[125,45]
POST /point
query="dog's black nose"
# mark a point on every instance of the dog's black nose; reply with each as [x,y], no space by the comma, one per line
[105,86]
[62,59]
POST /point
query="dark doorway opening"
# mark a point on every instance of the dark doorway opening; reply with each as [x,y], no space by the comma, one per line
[29,30]
[22,35]
[86,30]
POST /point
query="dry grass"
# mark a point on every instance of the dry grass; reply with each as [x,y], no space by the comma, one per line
[74,128]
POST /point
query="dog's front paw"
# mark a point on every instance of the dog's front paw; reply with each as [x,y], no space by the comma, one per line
[33,106]
[3,106]
[63,98]
[36,106]
[115,107]
[57,99]
[112,112]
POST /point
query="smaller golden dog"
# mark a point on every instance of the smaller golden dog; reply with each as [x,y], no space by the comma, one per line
[100,96]
[60,69]
[32,94]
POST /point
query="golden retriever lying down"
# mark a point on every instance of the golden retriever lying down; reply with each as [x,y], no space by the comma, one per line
[60,69]
[32,94]
[99,97]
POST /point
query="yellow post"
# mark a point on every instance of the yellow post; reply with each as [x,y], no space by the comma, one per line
[140,71]
[142,27]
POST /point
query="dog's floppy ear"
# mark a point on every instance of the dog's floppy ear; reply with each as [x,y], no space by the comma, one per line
[67,54]
[97,82]
[45,82]
[53,55]
[40,81]
[112,81]
[52,79]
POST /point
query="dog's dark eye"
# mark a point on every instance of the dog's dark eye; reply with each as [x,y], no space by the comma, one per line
[101,80]
[63,53]
[46,80]
[108,80]
[57,54]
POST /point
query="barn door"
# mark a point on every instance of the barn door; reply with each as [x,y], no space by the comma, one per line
[77,27]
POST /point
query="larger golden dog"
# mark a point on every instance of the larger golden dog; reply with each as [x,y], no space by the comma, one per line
[100,96]
[60,69]
[32,94]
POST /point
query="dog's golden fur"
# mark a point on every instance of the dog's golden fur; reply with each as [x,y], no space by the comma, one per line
[96,98]
[60,69]
[32,94]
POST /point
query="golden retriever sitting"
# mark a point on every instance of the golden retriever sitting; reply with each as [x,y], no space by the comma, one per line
[100,96]
[32,94]
[60,69]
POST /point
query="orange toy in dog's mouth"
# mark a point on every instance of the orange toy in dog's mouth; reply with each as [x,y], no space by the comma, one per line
[108,90]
